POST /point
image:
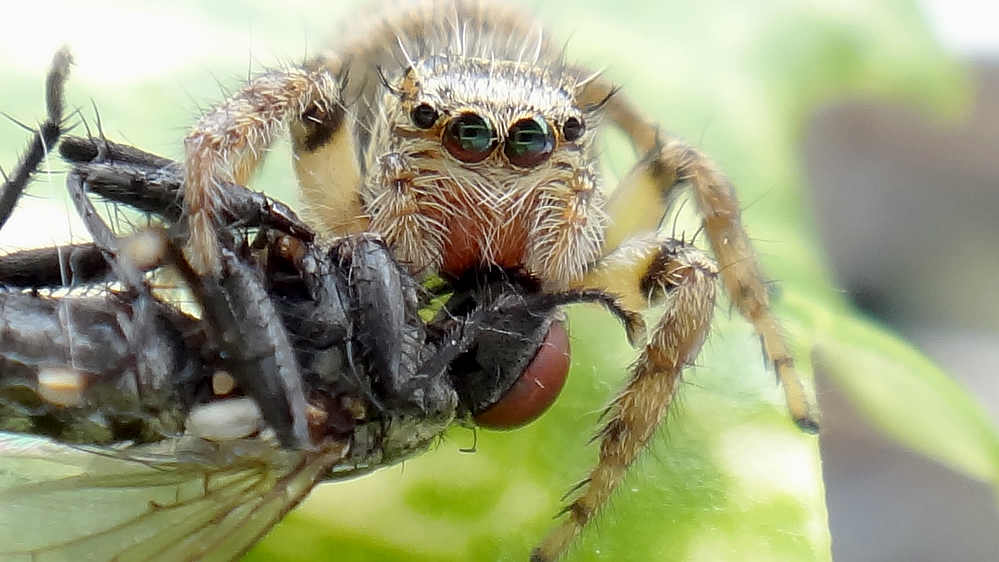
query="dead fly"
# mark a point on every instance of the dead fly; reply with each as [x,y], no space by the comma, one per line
[448,156]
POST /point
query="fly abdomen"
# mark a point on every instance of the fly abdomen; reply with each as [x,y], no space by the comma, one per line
[68,371]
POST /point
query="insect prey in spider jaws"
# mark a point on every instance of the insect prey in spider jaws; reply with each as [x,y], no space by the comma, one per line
[193,372]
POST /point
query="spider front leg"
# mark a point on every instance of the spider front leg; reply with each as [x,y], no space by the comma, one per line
[227,143]
[641,202]
[642,271]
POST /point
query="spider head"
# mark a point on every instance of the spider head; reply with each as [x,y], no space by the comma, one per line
[483,163]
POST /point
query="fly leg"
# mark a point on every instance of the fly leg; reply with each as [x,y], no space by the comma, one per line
[45,138]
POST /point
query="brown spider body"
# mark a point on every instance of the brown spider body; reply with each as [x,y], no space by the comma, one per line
[459,135]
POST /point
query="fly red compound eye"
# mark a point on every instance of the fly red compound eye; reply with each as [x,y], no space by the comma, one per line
[536,388]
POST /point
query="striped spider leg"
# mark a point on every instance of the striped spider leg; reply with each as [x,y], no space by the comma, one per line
[646,270]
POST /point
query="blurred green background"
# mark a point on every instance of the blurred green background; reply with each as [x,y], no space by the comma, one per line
[730,478]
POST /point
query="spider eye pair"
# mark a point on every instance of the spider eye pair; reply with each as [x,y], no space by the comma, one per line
[470,138]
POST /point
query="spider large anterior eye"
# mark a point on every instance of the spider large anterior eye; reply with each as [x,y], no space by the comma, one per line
[538,386]
[529,142]
[424,116]
[469,138]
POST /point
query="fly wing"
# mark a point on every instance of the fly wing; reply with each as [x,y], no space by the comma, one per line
[184,499]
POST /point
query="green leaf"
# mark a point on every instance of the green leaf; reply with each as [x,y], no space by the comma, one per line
[910,399]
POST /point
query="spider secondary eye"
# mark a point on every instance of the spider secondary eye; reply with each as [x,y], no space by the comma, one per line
[537,388]
[572,129]
[424,116]
[529,142]
[469,138]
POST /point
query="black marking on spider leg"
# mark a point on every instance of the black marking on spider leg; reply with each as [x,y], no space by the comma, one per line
[45,138]
[321,123]
[254,342]
[656,281]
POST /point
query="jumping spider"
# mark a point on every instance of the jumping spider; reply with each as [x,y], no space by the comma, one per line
[461,138]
